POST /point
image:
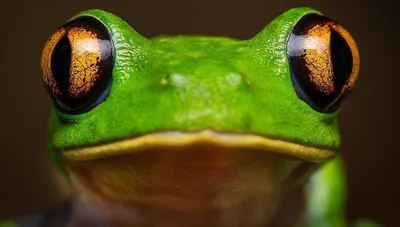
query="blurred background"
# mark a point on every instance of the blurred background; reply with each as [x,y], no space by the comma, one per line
[369,119]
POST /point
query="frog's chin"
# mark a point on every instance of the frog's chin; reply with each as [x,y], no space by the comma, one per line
[208,177]
[171,140]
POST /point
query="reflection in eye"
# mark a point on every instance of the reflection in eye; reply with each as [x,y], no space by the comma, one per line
[77,64]
[86,45]
[323,60]
[84,64]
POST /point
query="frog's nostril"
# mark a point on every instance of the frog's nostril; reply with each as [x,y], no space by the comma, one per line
[175,79]
[165,79]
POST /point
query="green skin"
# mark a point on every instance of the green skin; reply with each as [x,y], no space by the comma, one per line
[192,83]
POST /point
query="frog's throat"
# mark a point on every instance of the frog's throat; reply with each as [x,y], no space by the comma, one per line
[178,139]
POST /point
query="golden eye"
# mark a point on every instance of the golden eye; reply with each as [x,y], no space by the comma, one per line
[77,63]
[324,62]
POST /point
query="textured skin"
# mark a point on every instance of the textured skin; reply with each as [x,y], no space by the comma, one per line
[192,83]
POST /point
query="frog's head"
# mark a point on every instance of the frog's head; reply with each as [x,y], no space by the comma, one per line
[133,114]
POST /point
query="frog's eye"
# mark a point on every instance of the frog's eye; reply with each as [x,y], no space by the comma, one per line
[77,63]
[324,62]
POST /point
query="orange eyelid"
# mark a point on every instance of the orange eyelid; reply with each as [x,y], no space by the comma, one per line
[47,52]
[85,57]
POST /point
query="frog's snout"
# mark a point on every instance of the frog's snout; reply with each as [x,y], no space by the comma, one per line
[205,73]
[224,82]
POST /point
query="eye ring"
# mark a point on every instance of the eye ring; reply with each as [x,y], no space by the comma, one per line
[323,60]
[77,63]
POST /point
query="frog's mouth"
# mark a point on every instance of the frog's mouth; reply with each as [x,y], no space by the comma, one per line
[204,177]
[177,139]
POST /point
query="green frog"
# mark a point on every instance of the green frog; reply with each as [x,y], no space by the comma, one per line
[197,130]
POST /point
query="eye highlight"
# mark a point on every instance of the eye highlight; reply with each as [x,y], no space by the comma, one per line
[77,63]
[324,62]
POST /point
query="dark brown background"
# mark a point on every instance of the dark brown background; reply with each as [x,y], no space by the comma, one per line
[369,118]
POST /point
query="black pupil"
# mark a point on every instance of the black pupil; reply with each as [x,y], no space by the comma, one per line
[342,62]
[340,56]
[60,64]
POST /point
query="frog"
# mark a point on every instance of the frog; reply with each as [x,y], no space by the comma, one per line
[191,130]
